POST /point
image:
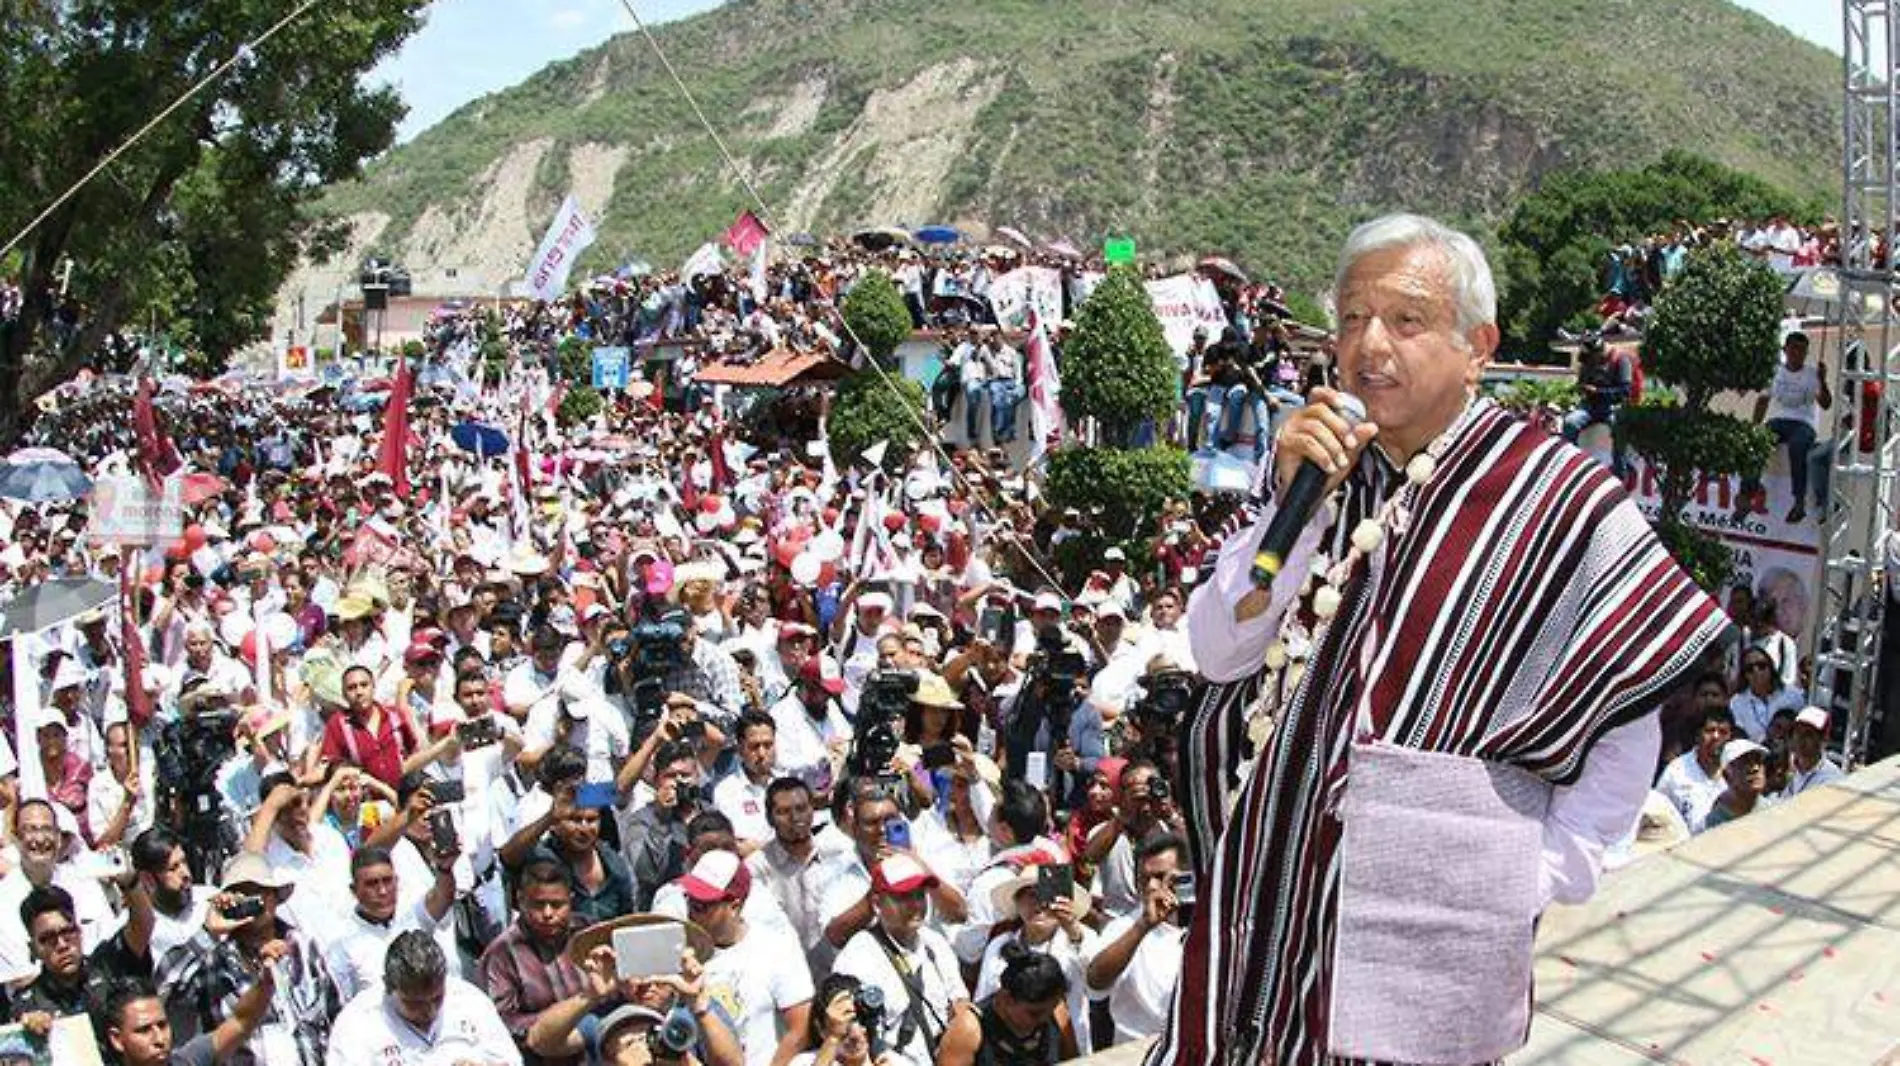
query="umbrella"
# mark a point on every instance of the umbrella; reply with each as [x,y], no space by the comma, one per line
[802,240]
[38,474]
[49,603]
[1065,249]
[201,487]
[938,235]
[1014,236]
[1222,265]
[475,437]
[884,237]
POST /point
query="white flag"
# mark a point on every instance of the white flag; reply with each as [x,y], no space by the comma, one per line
[569,234]
[704,261]
[1045,392]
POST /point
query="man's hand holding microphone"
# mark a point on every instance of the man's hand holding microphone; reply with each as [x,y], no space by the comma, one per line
[1317,447]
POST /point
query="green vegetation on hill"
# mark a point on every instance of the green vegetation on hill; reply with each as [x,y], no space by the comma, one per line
[1261,129]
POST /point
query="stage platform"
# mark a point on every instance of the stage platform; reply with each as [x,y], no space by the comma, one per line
[1772,941]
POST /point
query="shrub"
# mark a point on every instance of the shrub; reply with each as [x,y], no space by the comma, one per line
[875,311]
[870,408]
[1117,367]
[1130,487]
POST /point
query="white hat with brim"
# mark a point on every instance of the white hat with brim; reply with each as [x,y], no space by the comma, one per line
[250,868]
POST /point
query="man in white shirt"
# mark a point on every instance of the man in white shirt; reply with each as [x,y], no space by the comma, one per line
[356,954]
[576,716]
[43,843]
[420,1016]
[795,865]
[911,964]
[1137,959]
[536,680]
[811,727]
[314,857]
[741,796]
[757,972]
[1692,781]
[1809,765]
[178,906]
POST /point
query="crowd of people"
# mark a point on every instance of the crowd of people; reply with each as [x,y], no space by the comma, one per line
[662,737]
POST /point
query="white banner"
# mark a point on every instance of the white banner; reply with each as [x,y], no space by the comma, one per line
[566,238]
[125,510]
[1027,289]
[704,261]
[1184,302]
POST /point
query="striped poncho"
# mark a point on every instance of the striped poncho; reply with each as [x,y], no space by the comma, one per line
[1525,610]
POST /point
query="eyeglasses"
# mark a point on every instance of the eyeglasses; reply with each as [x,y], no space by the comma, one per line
[55,936]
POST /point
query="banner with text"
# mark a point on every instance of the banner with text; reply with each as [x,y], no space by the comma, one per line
[1027,289]
[613,368]
[125,510]
[569,235]
[1186,302]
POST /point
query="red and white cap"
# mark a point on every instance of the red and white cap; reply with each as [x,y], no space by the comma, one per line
[1812,716]
[718,877]
[880,601]
[823,669]
[900,875]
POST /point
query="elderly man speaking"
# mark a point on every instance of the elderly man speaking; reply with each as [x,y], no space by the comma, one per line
[1451,682]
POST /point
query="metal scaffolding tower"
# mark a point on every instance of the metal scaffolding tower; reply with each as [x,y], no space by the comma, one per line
[1866,466]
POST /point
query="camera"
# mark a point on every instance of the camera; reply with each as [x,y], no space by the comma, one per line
[1166,697]
[672,1039]
[190,751]
[478,732]
[886,697]
[641,661]
[1053,667]
[868,1003]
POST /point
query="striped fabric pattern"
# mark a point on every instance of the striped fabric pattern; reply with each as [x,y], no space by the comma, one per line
[1525,609]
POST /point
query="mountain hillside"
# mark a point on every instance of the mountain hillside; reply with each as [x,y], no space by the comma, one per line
[1257,128]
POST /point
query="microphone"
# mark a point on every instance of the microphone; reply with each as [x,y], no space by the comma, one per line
[1296,507]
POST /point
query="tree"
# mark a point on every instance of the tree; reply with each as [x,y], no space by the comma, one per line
[1117,368]
[199,224]
[1555,243]
[870,408]
[1119,373]
[875,312]
[1714,329]
[579,406]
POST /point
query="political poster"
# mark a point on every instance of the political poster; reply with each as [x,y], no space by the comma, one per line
[1014,295]
[294,362]
[567,237]
[1184,303]
[613,368]
[125,510]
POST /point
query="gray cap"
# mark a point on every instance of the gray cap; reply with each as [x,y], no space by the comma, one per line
[625,1014]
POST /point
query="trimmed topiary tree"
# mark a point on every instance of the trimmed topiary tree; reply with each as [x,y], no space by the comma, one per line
[1117,368]
[1119,374]
[1713,330]
[870,407]
[581,404]
[875,312]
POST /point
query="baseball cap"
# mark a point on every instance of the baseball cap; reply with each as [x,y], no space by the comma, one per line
[1048,601]
[900,875]
[1115,555]
[794,631]
[1813,717]
[1737,748]
[628,1014]
[823,669]
[878,600]
[416,654]
[1111,608]
[69,675]
[718,877]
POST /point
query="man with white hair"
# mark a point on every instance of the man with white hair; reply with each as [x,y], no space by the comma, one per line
[1488,644]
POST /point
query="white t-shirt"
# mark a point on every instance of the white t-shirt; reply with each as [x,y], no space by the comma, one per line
[369,1032]
[321,902]
[1795,395]
[1689,790]
[803,742]
[755,979]
[600,734]
[935,968]
[743,802]
[356,955]
[1139,999]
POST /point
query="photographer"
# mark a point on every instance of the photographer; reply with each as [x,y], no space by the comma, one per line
[656,837]
[1051,715]
[668,1019]
[1137,959]
[843,1019]
[880,831]
[910,963]
[705,672]
[1147,808]
[813,733]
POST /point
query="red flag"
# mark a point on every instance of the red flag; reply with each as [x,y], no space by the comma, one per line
[657,398]
[138,703]
[745,234]
[156,457]
[689,491]
[721,474]
[393,458]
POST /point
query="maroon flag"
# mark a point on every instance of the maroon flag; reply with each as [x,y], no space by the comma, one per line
[138,704]
[657,398]
[744,235]
[156,457]
[721,473]
[393,458]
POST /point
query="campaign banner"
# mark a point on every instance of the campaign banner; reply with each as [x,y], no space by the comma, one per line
[567,237]
[1023,290]
[125,510]
[613,368]
[1778,559]
[1184,303]
[294,362]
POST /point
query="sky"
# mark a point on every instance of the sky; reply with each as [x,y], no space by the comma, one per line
[470,48]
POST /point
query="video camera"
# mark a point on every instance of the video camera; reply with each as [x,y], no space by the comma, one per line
[190,751]
[1166,697]
[886,698]
[647,653]
[1055,669]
